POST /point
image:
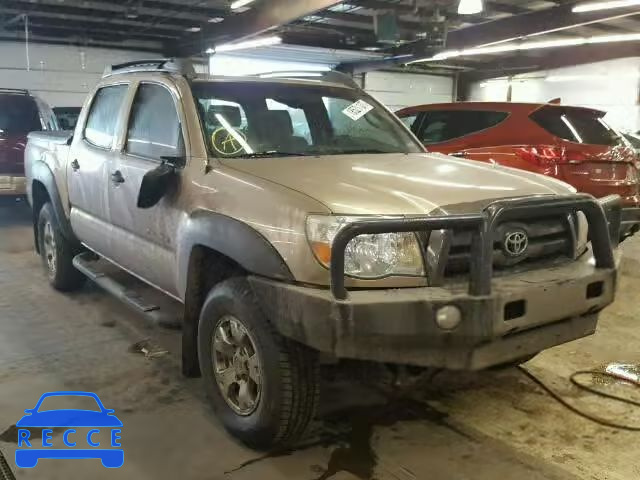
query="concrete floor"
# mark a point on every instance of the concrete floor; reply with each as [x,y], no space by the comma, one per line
[482,426]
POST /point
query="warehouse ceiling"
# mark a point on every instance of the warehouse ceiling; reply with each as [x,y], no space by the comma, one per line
[399,30]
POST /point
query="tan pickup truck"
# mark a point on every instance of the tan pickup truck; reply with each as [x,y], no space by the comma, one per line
[297,219]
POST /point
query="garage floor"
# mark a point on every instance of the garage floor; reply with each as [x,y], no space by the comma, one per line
[480,426]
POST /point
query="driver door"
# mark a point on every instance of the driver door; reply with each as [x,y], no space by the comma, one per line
[145,239]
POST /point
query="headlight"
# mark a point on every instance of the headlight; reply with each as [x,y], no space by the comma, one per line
[366,256]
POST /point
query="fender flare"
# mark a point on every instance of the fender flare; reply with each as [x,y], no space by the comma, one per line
[42,173]
[232,238]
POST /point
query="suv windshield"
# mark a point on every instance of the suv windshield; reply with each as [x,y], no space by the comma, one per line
[18,114]
[256,119]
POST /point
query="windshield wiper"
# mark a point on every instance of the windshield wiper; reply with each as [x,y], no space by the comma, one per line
[273,153]
[364,150]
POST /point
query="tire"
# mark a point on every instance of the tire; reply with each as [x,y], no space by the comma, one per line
[287,397]
[57,253]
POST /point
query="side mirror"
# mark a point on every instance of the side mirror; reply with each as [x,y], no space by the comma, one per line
[155,184]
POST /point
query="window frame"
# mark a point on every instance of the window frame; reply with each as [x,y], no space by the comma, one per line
[90,105]
[424,113]
[125,131]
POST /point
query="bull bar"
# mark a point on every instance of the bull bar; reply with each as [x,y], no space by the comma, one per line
[603,217]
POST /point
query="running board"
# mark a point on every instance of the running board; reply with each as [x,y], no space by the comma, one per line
[86,264]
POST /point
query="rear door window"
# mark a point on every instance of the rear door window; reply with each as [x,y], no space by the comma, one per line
[444,125]
[18,114]
[576,125]
[101,124]
[154,127]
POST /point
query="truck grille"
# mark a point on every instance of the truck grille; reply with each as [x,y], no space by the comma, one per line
[517,246]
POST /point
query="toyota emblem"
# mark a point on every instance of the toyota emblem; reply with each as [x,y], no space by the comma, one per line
[516,243]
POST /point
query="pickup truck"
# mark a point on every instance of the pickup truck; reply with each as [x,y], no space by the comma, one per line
[298,221]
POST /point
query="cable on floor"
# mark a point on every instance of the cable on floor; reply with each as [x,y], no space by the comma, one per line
[595,391]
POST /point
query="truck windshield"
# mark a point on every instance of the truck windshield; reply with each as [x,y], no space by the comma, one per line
[262,119]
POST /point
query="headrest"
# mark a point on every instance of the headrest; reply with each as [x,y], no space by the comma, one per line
[278,121]
[230,113]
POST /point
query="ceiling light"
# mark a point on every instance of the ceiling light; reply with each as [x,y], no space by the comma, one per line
[192,29]
[532,45]
[258,42]
[240,3]
[215,20]
[470,7]
[593,6]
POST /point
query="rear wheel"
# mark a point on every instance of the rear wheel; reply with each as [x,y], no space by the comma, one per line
[263,387]
[57,253]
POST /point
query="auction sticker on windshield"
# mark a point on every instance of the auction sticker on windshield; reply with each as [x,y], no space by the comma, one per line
[357,110]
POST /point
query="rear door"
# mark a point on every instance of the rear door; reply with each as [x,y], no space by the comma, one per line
[88,168]
[144,239]
[451,131]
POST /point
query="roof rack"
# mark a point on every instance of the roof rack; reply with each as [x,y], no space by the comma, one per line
[18,91]
[169,65]
[327,76]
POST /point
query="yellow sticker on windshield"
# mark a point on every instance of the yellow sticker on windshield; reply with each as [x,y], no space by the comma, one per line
[357,110]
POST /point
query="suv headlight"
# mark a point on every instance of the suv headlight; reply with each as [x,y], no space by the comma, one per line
[366,256]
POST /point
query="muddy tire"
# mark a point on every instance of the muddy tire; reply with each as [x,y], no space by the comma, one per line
[57,253]
[263,387]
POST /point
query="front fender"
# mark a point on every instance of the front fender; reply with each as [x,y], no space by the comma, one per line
[42,173]
[232,238]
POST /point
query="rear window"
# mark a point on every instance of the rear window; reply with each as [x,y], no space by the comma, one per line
[576,125]
[18,114]
[443,125]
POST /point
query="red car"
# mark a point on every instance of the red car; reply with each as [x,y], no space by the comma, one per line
[572,144]
[20,113]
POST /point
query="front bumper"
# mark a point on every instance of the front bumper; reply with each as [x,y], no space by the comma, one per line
[398,326]
[12,185]
[503,318]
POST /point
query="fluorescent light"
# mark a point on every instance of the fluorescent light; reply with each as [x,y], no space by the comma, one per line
[258,42]
[531,45]
[470,7]
[215,20]
[593,6]
[192,29]
[240,3]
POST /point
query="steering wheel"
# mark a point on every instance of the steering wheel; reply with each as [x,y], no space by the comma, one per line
[226,143]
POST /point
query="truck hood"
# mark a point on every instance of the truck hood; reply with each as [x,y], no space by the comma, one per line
[399,184]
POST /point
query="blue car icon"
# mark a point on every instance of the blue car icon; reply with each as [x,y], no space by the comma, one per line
[68,419]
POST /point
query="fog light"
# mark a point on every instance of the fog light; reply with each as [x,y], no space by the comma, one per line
[448,317]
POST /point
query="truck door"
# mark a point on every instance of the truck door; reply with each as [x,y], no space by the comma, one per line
[145,239]
[88,167]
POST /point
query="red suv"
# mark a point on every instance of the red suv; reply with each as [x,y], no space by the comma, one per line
[572,144]
[20,113]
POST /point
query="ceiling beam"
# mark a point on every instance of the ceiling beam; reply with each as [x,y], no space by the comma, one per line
[551,59]
[56,15]
[518,26]
[263,17]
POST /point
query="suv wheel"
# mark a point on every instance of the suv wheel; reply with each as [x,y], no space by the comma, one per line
[57,253]
[263,387]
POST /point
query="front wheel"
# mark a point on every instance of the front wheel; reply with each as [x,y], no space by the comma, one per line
[57,253]
[263,387]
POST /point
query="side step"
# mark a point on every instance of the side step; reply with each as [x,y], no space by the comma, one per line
[88,265]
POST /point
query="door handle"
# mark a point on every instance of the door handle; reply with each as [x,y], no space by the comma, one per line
[75,165]
[116,177]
